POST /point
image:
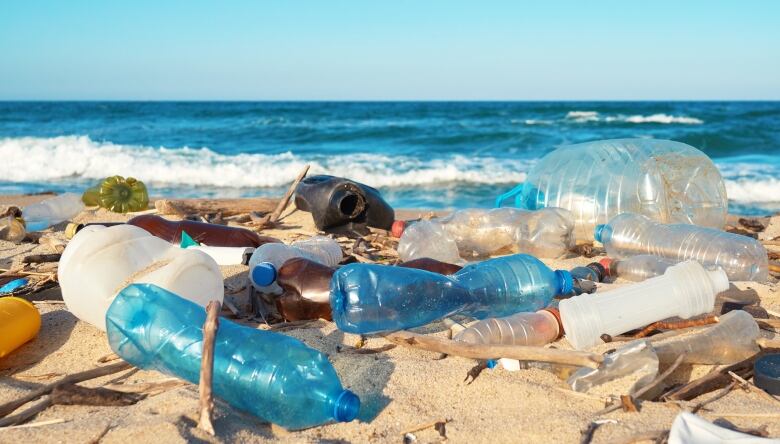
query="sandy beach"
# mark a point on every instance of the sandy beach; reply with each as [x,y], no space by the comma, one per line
[400,388]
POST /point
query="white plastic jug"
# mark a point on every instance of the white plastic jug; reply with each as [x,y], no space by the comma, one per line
[100,261]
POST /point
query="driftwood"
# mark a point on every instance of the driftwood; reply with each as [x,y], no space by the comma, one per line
[228,207]
[41,258]
[206,404]
[711,381]
[474,351]
[72,394]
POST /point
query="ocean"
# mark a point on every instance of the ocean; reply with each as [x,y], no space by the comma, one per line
[434,155]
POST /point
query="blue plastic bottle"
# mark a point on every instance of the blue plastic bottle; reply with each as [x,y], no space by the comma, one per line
[367,298]
[275,377]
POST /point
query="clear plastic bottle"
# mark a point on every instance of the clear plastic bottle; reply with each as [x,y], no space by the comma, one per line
[273,376]
[368,298]
[636,268]
[52,211]
[668,181]
[474,233]
[266,260]
[731,340]
[12,229]
[743,258]
[685,290]
[539,328]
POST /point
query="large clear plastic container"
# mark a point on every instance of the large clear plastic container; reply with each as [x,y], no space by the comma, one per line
[272,376]
[368,298]
[539,328]
[266,260]
[100,261]
[52,211]
[636,268]
[477,233]
[743,258]
[685,290]
[668,181]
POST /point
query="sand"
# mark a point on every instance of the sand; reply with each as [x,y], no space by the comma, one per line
[399,389]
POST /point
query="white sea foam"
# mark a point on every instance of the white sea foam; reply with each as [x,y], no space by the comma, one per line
[583,116]
[753,190]
[593,116]
[79,157]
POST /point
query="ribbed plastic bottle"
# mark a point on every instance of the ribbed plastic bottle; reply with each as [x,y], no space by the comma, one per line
[19,323]
[266,260]
[118,194]
[272,376]
[668,181]
[368,298]
[743,258]
[52,211]
[636,268]
[539,328]
[100,261]
[685,290]
[477,233]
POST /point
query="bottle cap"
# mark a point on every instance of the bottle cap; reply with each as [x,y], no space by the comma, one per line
[346,407]
[606,263]
[565,282]
[72,229]
[398,228]
[264,274]
[766,374]
[598,233]
[557,315]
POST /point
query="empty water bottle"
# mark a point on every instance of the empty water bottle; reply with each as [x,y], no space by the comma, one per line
[743,258]
[272,376]
[636,268]
[52,211]
[266,260]
[539,328]
[368,298]
[668,181]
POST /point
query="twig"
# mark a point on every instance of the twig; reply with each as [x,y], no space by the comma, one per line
[750,386]
[676,325]
[206,403]
[426,425]
[41,258]
[108,358]
[478,351]
[274,217]
[35,424]
[723,392]
[24,415]
[711,381]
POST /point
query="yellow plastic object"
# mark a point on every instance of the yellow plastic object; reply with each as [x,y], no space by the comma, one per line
[19,322]
[118,194]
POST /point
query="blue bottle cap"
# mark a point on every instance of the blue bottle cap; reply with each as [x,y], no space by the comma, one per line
[599,232]
[347,407]
[767,373]
[264,274]
[565,282]
[491,363]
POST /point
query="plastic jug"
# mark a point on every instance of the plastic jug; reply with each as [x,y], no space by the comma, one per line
[272,376]
[99,261]
[368,298]
[473,233]
[743,258]
[52,211]
[118,194]
[668,181]
[539,328]
[19,323]
[685,290]
[636,268]
[266,260]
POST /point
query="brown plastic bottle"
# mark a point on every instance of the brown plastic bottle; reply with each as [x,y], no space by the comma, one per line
[204,233]
[306,286]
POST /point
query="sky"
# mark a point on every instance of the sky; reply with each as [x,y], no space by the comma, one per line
[389,50]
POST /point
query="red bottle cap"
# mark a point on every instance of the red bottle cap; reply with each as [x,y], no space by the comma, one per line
[398,228]
[606,262]
[557,315]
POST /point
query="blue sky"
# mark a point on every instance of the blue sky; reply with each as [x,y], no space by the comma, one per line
[406,50]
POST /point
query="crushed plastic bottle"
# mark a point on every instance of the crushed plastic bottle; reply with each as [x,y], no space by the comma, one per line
[368,298]
[12,229]
[743,258]
[99,261]
[19,323]
[272,376]
[266,260]
[670,182]
[636,360]
[477,233]
[118,194]
[685,290]
[539,328]
[636,268]
[44,214]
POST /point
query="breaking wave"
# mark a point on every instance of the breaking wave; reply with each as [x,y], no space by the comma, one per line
[594,116]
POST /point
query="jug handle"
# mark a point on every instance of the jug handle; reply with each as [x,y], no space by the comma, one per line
[514,192]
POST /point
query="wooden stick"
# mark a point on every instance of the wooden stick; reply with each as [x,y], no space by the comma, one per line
[286,199]
[24,415]
[74,378]
[676,325]
[474,351]
[36,424]
[228,207]
[41,258]
[207,367]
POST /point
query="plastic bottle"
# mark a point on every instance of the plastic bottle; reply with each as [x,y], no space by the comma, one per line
[368,298]
[272,376]
[12,229]
[204,233]
[685,290]
[52,211]
[19,323]
[539,328]
[668,181]
[731,340]
[118,194]
[636,268]
[99,261]
[743,258]
[266,260]
[594,271]
[336,201]
[474,233]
